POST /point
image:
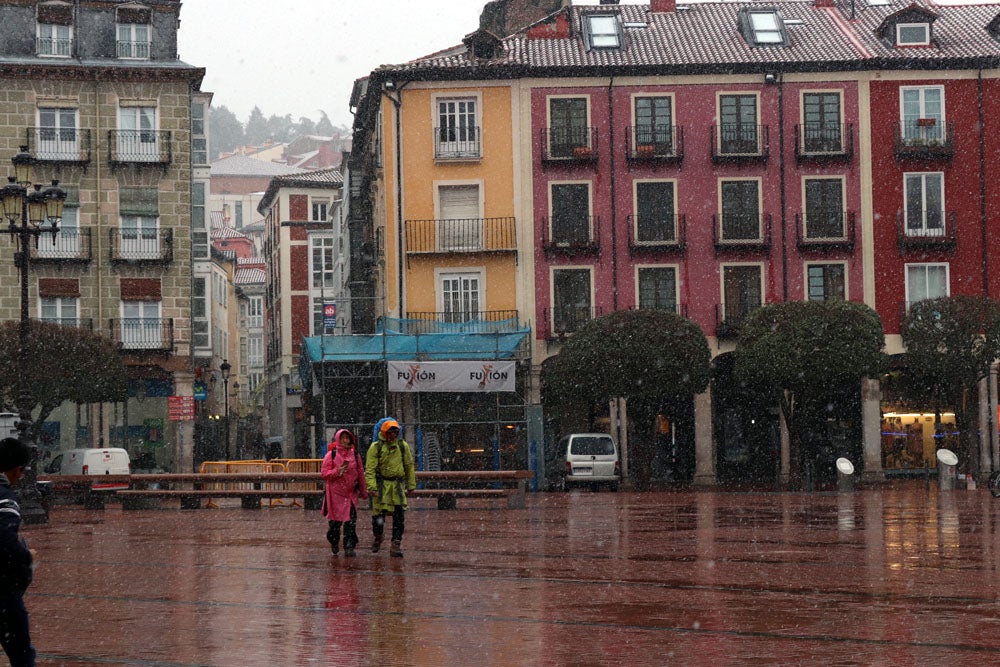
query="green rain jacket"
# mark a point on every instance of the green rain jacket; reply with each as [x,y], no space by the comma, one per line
[389,474]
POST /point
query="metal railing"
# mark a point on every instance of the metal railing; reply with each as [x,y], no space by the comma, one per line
[835,231]
[457,143]
[944,237]
[133,49]
[464,322]
[815,141]
[733,141]
[675,308]
[64,145]
[137,334]
[140,146]
[571,144]
[925,139]
[656,142]
[669,236]
[132,245]
[730,316]
[75,322]
[576,240]
[48,46]
[69,246]
[461,235]
[750,233]
[559,322]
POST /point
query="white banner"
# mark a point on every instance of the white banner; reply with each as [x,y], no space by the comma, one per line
[459,376]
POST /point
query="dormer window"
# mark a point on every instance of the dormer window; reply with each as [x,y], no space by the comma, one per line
[54,29]
[133,32]
[604,31]
[763,27]
[913,34]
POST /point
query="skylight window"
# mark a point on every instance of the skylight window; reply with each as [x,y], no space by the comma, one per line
[766,28]
[604,31]
[913,34]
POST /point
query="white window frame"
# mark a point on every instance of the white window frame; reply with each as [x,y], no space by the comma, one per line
[552,293]
[67,310]
[636,213]
[54,39]
[255,312]
[134,45]
[140,330]
[757,125]
[639,268]
[804,140]
[760,210]
[137,124]
[636,127]
[322,279]
[924,230]
[805,277]
[320,208]
[843,205]
[590,207]
[587,120]
[911,131]
[604,31]
[907,268]
[205,319]
[255,350]
[722,283]
[139,236]
[766,35]
[470,233]
[902,27]
[471,146]
[460,273]
[67,241]
[64,124]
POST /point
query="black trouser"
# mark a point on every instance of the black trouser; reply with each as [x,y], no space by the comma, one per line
[350,531]
[398,523]
[14,635]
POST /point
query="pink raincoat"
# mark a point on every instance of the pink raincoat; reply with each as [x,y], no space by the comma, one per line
[342,490]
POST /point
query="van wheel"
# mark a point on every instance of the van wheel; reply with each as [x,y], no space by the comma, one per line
[613,486]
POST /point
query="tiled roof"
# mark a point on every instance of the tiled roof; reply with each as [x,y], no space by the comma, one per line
[250,261]
[226,232]
[321,178]
[216,219]
[243,165]
[250,276]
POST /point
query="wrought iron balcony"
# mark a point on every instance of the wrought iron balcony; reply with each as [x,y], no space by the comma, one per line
[136,50]
[667,237]
[940,236]
[742,233]
[75,322]
[835,231]
[461,235]
[561,321]
[135,334]
[457,143]
[569,144]
[675,308]
[140,147]
[816,143]
[59,145]
[132,245]
[730,316]
[482,321]
[48,46]
[924,139]
[740,143]
[581,238]
[69,247]
[660,143]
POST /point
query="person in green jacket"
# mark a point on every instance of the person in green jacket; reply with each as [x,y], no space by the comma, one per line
[389,475]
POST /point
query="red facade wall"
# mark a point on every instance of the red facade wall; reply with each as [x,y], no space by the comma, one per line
[239,185]
[299,260]
[301,314]
[298,207]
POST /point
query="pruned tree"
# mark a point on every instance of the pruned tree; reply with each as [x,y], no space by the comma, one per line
[951,343]
[64,364]
[257,130]
[803,351]
[648,357]
[226,131]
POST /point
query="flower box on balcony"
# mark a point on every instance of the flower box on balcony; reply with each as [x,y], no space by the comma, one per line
[645,150]
[582,152]
[926,122]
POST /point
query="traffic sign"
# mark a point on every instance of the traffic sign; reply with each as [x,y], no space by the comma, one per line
[180,408]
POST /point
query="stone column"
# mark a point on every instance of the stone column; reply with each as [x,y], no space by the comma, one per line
[704,446]
[871,425]
[987,425]
[183,430]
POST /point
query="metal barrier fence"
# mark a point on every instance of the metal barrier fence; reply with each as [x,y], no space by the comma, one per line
[297,465]
[241,467]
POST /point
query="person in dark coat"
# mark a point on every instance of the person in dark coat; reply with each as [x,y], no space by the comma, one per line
[16,560]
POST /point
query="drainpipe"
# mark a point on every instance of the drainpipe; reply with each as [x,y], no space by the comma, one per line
[614,203]
[98,235]
[781,181]
[982,183]
[397,103]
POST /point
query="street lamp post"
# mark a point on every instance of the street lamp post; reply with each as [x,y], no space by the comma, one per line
[225,368]
[26,211]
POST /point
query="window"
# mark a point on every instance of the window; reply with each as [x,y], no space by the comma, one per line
[603,31]
[654,124]
[825,282]
[137,137]
[913,34]
[58,136]
[821,126]
[570,207]
[139,219]
[571,300]
[60,310]
[255,312]
[766,27]
[323,257]
[199,234]
[133,41]
[141,325]
[54,40]
[657,288]
[460,296]
[67,243]
[238,214]
[740,210]
[824,208]
[457,129]
[655,221]
[199,143]
[255,350]
[924,204]
[567,126]
[459,222]
[922,110]
[320,206]
[199,314]
[738,131]
[925,281]
[742,291]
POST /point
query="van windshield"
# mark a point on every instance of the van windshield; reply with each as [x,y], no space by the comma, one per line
[592,447]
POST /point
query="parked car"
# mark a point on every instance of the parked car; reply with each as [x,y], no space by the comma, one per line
[591,459]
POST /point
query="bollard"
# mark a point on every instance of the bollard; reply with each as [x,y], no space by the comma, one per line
[845,475]
[946,469]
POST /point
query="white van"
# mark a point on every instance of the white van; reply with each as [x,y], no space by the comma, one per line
[591,458]
[103,461]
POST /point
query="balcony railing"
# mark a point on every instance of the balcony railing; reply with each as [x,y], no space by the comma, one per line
[675,308]
[834,232]
[730,316]
[61,145]
[559,322]
[581,239]
[69,247]
[660,143]
[47,46]
[75,322]
[482,321]
[135,334]
[740,143]
[924,139]
[815,142]
[131,245]
[943,237]
[461,235]
[569,144]
[741,233]
[457,143]
[669,236]
[138,50]
[139,147]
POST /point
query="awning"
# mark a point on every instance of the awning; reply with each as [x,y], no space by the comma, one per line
[419,347]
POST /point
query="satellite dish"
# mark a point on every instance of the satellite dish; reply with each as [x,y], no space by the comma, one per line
[844,466]
[947,457]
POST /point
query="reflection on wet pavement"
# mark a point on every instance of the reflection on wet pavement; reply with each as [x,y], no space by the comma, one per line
[902,576]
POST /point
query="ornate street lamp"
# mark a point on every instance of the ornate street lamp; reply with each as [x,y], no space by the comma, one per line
[225,368]
[26,208]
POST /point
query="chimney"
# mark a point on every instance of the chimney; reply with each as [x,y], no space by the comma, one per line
[660,6]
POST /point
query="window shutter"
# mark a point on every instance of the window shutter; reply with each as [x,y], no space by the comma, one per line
[55,14]
[139,201]
[133,15]
[72,195]
[141,289]
[54,288]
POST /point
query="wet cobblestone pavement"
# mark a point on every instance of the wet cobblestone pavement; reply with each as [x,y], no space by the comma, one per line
[894,577]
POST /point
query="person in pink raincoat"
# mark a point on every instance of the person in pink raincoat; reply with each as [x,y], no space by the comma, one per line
[344,482]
